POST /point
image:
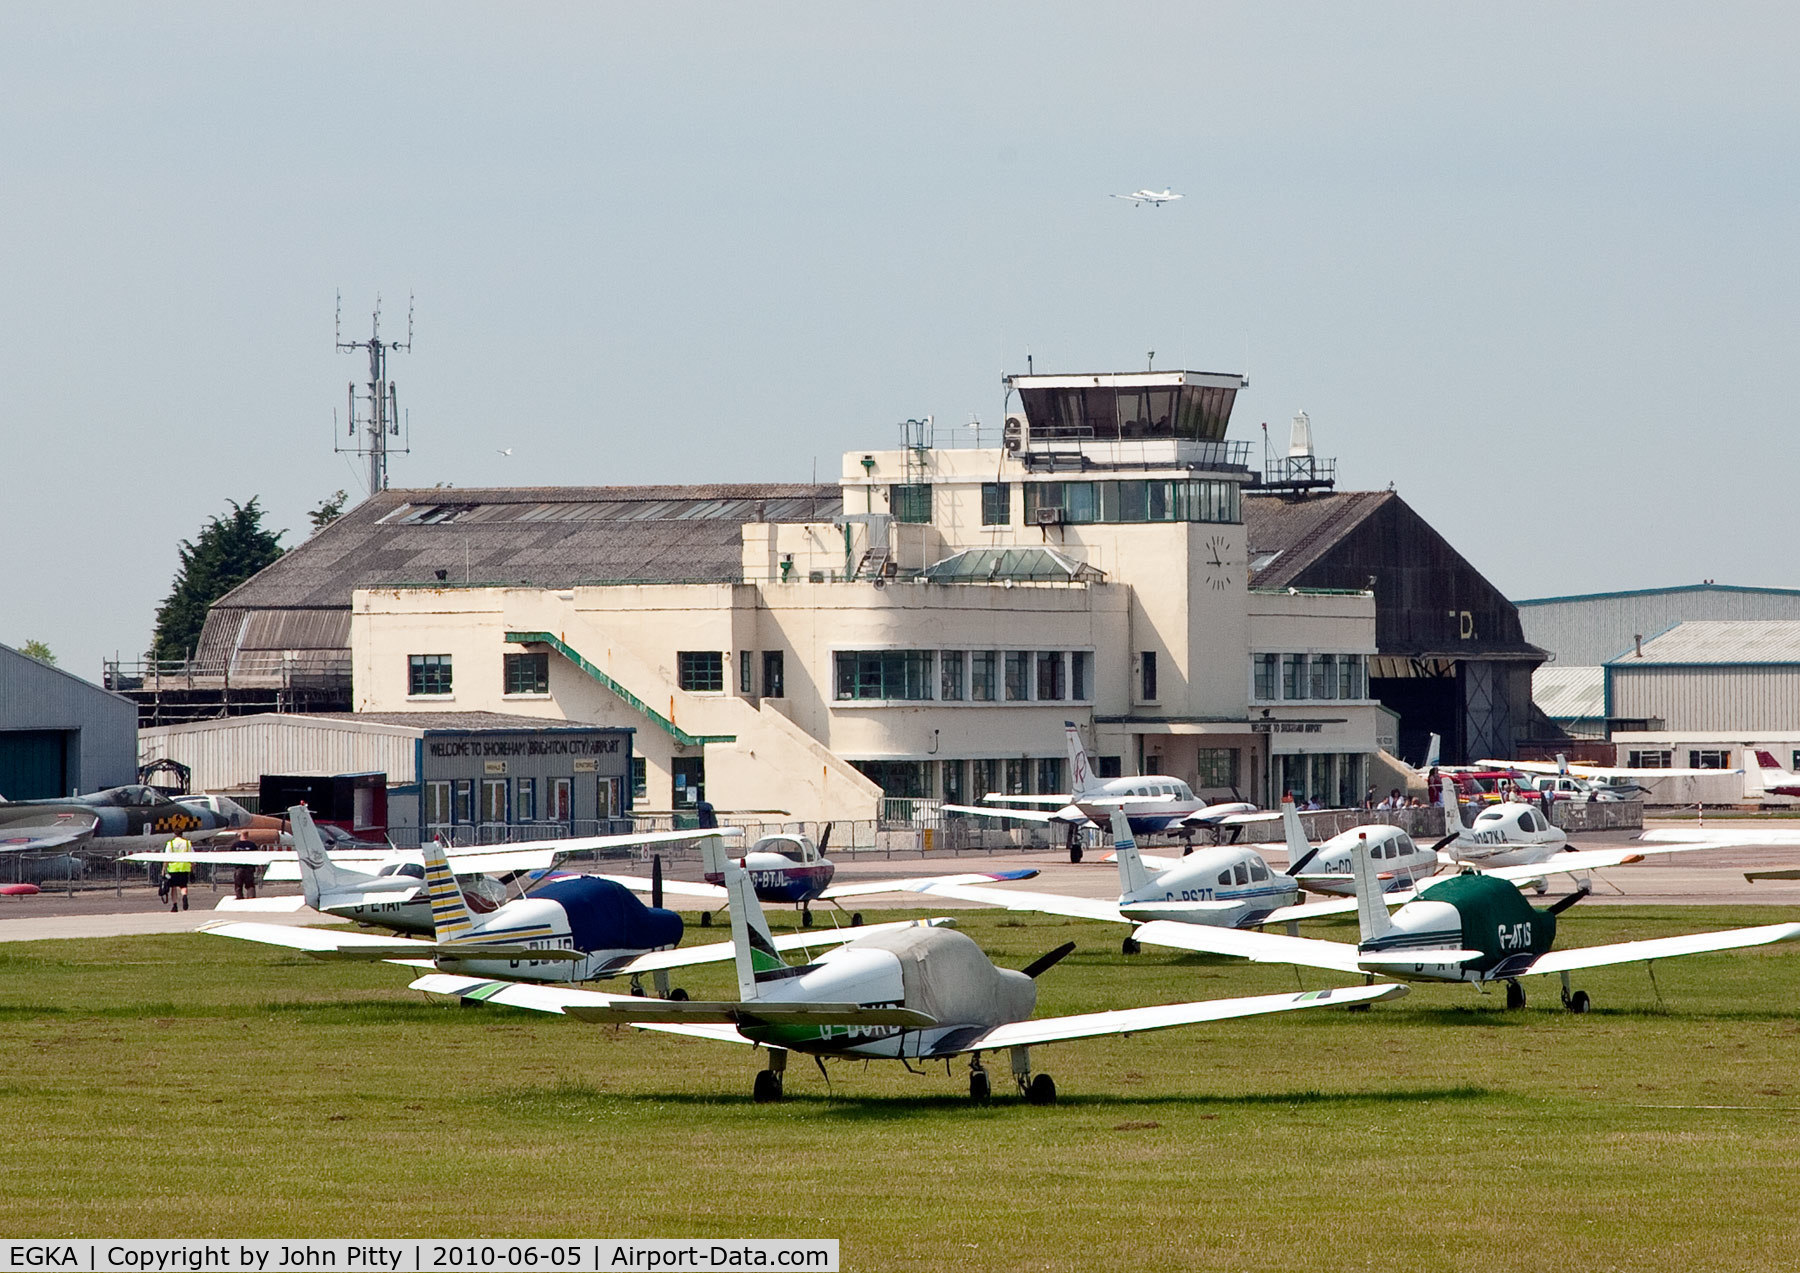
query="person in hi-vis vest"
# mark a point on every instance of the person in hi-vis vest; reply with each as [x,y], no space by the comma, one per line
[180,869]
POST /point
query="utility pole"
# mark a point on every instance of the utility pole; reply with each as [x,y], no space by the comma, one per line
[375,414]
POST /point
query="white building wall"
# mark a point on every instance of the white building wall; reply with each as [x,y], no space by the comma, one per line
[233,754]
[1740,698]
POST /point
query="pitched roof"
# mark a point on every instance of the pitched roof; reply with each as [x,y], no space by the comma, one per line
[1286,535]
[1719,641]
[1569,693]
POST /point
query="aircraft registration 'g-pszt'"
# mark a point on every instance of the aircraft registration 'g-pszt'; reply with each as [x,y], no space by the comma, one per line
[915,995]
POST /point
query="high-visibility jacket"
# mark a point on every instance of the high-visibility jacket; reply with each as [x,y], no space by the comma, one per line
[180,844]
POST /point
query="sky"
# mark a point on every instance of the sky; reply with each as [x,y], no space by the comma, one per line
[1534,265]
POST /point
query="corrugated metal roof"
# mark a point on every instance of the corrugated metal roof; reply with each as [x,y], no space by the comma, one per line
[1720,641]
[1286,535]
[1676,590]
[1569,693]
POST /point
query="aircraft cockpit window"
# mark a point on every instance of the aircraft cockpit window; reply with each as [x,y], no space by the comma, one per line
[1403,845]
[1241,872]
[412,870]
[1225,879]
[1258,871]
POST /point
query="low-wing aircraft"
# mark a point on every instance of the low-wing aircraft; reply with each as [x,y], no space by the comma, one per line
[1155,198]
[921,994]
[1467,927]
[1227,885]
[1776,781]
[1152,802]
[1506,834]
[573,928]
[128,817]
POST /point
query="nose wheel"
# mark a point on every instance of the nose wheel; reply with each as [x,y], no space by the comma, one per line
[981,1090]
[767,1088]
[1515,995]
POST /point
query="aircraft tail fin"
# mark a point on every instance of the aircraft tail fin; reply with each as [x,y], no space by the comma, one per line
[1300,850]
[1081,773]
[451,917]
[318,874]
[1133,874]
[753,945]
[1760,759]
[1433,752]
[1371,908]
[1453,822]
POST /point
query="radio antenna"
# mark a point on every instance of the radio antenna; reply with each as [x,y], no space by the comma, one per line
[375,422]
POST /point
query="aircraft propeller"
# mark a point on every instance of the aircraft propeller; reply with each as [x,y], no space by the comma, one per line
[656,885]
[1045,962]
[824,838]
[1563,903]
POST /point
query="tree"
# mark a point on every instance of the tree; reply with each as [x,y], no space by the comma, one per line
[328,511]
[39,651]
[228,551]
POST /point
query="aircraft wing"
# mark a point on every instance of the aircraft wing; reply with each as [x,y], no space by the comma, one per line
[1751,837]
[674,888]
[1247,819]
[1585,860]
[34,830]
[292,902]
[719,952]
[1602,771]
[1265,948]
[605,1009]
[913,885]
[1310,910]
[324,943]
[1001,796]
[221,857]
[1630,952]
[990,811]
[1137,1020]
[1021,900]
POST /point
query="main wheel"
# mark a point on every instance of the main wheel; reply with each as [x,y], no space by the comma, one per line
[1129,946]
[1041,1090]
[678,995]
[1515,995]
[856,919]
[806,919]
[1579,1001]
[980,1089]
[706,919]
[767,1088]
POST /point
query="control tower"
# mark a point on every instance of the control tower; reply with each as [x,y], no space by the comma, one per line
[1139,419]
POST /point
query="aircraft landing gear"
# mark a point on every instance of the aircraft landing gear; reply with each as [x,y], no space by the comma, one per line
[1074,843]
[856,919]
[706,919]
[805,915]
[768,1082]
[1129,946]
[981,1090]
[1578,1001]
[678,995]
[1515,996]
[1037,1089]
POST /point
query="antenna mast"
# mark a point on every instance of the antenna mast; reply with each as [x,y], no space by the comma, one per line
[375,414]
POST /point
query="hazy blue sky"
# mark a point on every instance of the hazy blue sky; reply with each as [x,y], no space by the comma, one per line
[1533,264]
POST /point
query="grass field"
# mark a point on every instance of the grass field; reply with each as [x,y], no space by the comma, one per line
[185,1086]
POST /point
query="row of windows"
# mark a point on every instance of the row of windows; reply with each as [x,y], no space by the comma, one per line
[1137,500]
[703,672]
[1337,780]
[1707,758]
[967,781]
[520,674]
[1286,677]
[964,676]
[502,800]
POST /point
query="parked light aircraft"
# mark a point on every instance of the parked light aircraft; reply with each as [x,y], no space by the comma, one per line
[1507,834]
[574,928]
[1466,927]
[1152,802]
[1776,781]
[915,995]
[1155,198]
[128,817]
[1603,776]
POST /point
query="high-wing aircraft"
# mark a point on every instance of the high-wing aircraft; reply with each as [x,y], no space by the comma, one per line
[1152,802]
[1155,198]
[130,817]
[920,994]
[574,928]
[1228,885]
[1607,782]
[1467,927]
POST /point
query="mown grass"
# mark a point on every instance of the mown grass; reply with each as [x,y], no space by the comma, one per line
[186,1085]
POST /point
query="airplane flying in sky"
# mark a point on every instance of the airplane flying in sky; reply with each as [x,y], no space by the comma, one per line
[1151,802]
[573,928]
[919,994]
[1467,927]
[1155,198]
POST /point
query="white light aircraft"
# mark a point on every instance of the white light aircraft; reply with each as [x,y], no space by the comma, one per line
[922,995]
[1467,927]
[1155,198]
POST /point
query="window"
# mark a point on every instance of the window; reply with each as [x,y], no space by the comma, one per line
[1018,676]
[898,779]
[1049,775]
[746,673]
[527,673]
[1108,766]
[1649,759]
[462,801]
[1148,670]
[1323,683]
[428,674]
[1218,767]
[1258,872]
[1293,676]
[983,677]
[1355,669]
[954,791]
[493,800]
[606,798]
[1709,760]
[1080,675]
[700,671]
[1262,669]
[950,675]
[884,674]
[1155,500]
[1018,773]
[561,806]
[640,778]
[526,805]
[996,503]
[689,773]
[982,778]
[910,503]
[1050,676]
[774,681]
[1241,873]
[437,804]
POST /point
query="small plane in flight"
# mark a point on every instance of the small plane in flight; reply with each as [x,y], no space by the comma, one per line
[1155,198]
[1151,802]
[572,928]
[918,994]
[1469,927]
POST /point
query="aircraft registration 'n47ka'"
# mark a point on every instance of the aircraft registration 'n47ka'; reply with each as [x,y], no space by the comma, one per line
[913,995]
[1151,803]
[573,928]
[1468,927]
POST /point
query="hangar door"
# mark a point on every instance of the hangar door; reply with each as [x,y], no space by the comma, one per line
[33,764]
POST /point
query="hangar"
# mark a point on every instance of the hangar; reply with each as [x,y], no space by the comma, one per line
[59,734]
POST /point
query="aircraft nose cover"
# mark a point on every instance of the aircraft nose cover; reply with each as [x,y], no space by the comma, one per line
[944,973]
[608,916]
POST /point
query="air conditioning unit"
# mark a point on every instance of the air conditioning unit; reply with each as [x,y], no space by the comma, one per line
[1049,517]
[1013,436]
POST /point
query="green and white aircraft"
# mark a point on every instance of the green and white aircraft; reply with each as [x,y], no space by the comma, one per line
[921,994]
[1470,927]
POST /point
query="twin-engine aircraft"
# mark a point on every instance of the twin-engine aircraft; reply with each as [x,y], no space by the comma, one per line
[1468,927]
[907,994]
[1151,803]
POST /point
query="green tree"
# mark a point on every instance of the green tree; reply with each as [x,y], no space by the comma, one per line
[228,551]
[328,511]
[39,651]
